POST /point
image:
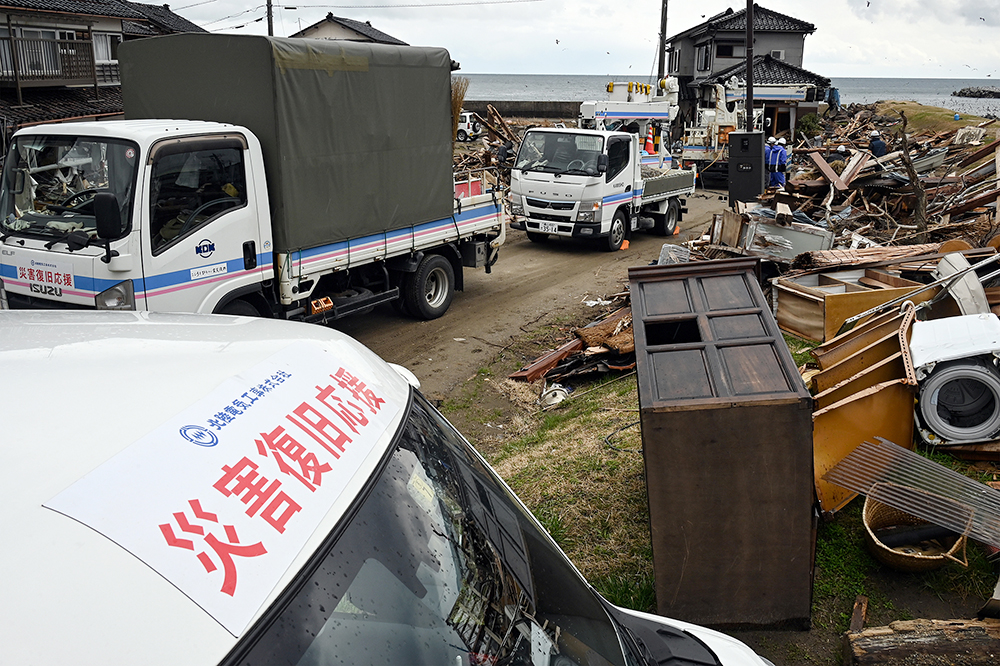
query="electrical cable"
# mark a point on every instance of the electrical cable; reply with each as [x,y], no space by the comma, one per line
[607,440]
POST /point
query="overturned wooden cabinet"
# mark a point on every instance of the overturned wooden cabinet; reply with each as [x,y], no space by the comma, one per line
[727,442]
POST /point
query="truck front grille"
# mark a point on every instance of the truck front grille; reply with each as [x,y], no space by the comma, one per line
[554,205]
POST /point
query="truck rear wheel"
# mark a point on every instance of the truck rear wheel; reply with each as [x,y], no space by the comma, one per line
[430,290]
[616,236]
[666,224]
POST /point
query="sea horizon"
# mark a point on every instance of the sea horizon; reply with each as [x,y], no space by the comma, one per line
[929,91]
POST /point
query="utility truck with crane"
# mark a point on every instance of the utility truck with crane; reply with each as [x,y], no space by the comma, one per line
[290,178]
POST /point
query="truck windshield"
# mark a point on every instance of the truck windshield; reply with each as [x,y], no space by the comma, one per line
[439,565]
[49,183]
[560,152]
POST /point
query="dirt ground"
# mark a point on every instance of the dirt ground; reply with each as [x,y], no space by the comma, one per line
[535,286]
[529,283]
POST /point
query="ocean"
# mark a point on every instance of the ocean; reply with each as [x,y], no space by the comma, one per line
[574,87]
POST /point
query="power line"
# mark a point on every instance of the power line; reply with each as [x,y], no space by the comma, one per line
[460,3]
[203,2]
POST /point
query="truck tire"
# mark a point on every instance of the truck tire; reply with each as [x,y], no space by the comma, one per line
[666,224]
[615,237]
[430,290]
[239,308]
[463,135]
[537,237]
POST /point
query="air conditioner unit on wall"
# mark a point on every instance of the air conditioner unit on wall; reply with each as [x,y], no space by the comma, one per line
[778,55]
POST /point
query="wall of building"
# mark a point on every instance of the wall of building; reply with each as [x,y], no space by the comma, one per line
[328,30]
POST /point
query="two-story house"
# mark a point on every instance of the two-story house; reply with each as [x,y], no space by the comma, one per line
[59,58]
[713,52]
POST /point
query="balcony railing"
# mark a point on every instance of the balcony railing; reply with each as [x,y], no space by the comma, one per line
[51,62]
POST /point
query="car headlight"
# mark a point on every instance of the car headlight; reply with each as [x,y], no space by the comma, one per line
[119,297]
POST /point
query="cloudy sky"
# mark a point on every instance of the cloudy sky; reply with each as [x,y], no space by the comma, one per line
[880,38]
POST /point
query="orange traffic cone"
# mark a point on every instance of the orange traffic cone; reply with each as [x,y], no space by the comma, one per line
[650,146]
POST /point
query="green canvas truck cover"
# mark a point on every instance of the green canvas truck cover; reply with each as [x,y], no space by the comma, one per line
[356,136]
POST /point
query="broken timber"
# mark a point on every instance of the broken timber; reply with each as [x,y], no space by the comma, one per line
[925,643]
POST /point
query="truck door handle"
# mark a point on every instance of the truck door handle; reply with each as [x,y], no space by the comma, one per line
[249,255]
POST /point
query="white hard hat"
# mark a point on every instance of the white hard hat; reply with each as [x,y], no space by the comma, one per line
[770,139]
[781,142]
[875,134]
[841,149]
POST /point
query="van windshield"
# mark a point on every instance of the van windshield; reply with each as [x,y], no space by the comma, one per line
[560,152]
[439,565]
[49,183]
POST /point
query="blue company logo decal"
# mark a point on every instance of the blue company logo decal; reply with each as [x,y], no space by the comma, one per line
[198,435]
[204,249]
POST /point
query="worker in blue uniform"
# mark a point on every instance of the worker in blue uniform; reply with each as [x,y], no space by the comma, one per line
[777,160]
[877,145]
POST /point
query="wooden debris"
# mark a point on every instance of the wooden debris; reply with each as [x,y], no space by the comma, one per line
[925,643]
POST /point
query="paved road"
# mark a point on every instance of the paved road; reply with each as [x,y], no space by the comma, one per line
[529,281]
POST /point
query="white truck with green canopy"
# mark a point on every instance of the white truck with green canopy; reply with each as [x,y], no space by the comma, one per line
[300,179]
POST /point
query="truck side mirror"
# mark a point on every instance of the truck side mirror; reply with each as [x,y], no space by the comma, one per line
[602,163]
[107,216]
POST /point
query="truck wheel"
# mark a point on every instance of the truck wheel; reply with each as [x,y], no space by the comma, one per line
[430,290]
[536,237]
[240,308]
[613,242]
[463,135]
[666,224]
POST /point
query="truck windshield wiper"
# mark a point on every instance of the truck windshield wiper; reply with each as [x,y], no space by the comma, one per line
[75,240]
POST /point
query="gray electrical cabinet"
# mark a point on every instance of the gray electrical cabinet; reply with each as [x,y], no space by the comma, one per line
[747,173]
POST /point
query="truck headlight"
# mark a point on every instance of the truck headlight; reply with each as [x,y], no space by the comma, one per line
[589,213]
[516,209]
[119,297]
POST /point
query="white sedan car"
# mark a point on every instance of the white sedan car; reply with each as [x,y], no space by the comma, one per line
[185,489]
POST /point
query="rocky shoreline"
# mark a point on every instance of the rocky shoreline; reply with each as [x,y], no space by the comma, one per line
[978,91]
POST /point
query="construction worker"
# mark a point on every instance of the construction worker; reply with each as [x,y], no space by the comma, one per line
[776,161]
[877,145]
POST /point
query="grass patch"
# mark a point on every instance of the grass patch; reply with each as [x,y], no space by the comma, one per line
[800,348]
[924,118]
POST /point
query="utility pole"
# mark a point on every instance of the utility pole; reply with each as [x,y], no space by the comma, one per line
[270,19]
[662,70]
[749,101]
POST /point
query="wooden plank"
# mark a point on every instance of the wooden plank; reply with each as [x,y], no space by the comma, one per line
[975,202]
[925,642]
[854,167]
[979,154]
[537,368]
[860,613]
[828,173]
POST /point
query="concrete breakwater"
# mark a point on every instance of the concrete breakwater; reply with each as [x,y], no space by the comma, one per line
[979,91]
[524,109]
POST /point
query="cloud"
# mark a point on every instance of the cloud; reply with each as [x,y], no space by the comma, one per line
[977,13]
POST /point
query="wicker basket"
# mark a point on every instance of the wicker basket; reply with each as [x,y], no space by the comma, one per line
[878,516]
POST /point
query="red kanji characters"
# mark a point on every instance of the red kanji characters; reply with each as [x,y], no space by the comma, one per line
[323,430]
[282,446]
[253,490]
[358,389]
[349,412]
[224,550]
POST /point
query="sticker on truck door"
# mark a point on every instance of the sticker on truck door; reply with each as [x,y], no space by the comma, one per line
[46,278]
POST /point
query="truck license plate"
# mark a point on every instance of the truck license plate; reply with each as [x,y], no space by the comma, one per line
[548,227]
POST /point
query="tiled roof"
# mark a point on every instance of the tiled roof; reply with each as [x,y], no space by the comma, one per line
[111,8]
[364,29]
[42,104]
[138,29]
[770,71]
[764,20]
[162,18]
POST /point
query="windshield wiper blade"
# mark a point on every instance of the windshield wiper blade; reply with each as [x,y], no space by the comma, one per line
[75,240]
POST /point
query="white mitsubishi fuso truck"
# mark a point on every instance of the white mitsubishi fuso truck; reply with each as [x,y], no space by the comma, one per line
[598,184]
[290,178]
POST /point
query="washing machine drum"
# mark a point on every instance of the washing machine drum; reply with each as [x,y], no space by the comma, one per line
[960,400]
